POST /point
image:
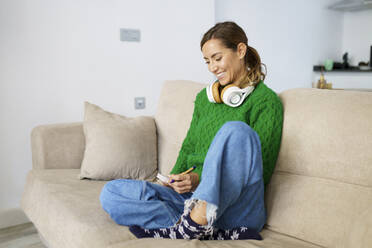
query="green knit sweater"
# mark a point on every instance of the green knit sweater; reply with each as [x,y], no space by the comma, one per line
[262,110]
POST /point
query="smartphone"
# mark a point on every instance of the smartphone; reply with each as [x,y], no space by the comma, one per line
[162,178]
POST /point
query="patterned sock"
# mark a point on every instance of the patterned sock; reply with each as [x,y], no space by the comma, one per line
[236,233]
[189,229]
[186,229]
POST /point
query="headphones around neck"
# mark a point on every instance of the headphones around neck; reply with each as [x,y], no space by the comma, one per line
[231,95]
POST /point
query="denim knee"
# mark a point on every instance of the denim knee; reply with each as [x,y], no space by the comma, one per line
[105,195]
[110,192]
[238,127]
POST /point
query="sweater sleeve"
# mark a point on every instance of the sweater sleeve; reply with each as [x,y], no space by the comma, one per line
[266,119]
[187,148]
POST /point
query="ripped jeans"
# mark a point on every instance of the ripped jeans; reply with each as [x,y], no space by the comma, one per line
[231,184]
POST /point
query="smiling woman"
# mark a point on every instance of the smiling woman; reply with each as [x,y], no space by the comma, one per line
[232,146]
[229,57]
[227,65]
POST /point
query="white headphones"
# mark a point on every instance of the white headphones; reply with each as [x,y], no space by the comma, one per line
[231,95]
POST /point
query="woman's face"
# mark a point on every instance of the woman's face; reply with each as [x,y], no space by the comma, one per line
[227,65]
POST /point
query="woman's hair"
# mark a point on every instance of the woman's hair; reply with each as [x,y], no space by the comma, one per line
[230,34]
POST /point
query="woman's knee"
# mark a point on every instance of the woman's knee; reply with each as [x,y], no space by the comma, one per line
[113,190]
[239,128]
[112,186]
[106,194]
[123,189]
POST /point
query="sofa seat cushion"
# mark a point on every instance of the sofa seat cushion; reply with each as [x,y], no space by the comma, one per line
[67,210]
[270,240]
[68,213]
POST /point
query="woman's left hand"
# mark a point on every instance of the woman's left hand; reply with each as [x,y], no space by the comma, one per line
[184,183]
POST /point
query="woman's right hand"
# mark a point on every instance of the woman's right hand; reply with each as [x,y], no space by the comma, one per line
[184,183]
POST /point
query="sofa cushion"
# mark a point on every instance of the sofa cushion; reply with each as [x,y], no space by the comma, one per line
[173,116]
[317,210]
[68,213]
[67,210]
[117,146]
[323,178]
[327,133]
[270,240]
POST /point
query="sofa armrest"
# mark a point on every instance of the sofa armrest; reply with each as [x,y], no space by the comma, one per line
[57,146]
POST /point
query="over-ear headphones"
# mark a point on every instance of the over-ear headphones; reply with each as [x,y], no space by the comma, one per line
[231,95]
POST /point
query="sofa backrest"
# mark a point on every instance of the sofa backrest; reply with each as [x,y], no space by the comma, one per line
[321,190]
[173,118]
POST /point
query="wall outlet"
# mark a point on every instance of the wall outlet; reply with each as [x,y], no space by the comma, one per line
[139,102]
[130,34]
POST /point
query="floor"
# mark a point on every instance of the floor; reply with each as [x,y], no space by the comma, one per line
[21,236]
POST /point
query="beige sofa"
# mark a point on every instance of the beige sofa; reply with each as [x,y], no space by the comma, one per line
[319,196]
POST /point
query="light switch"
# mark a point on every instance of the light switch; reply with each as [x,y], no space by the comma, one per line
[130,34]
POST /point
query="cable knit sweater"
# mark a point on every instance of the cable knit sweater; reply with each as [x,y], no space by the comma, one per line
[262,110]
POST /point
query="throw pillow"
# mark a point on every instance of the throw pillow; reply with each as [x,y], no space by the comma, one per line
[117,146]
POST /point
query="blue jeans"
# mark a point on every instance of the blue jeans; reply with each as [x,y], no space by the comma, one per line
[231,184]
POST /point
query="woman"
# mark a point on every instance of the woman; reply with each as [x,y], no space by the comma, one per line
[233,146]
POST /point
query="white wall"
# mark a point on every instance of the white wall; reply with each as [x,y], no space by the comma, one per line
[357,36]
[356,40]
[56,54]
[291,36]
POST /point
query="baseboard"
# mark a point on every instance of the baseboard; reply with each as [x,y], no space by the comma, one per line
[12,217]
